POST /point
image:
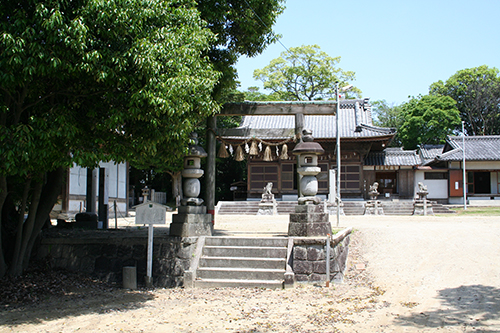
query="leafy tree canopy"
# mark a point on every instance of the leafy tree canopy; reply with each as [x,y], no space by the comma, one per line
[84,81]
[253,94]
[428,120]
[243,28]
[304,73]
[388,116]
[477,93]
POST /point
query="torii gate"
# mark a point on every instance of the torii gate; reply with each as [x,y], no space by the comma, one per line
[299,109]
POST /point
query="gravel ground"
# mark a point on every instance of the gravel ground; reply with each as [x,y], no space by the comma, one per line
[406,274]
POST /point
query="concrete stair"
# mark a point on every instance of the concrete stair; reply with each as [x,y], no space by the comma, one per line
[239,208]
[354,207]
[242,262]
[441,209]
[252,207]
[350,207]
[286,207]
[398,207]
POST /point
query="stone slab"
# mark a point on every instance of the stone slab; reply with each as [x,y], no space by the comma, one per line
[309,229]
[191,229]
[309,208]
[309,217]
[192,209]
[191,218]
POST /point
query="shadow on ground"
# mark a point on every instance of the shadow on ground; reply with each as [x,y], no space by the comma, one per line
[474,306]
[75,301]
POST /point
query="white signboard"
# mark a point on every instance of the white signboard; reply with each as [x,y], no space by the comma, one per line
[150,213]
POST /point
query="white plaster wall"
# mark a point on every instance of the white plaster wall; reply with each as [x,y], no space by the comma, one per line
[75,205]
[77,180]
[438,188]
[117,174]
[494,183]
[486,165]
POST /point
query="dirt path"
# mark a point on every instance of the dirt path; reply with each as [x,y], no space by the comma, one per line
[406,274]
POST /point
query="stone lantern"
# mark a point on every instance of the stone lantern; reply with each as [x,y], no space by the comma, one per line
[192,218]
[307,153]
[309,218]
[192,172]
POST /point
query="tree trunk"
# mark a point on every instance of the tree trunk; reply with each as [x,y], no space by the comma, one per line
[3,196]
[16,267]
[20,222]
[50,192]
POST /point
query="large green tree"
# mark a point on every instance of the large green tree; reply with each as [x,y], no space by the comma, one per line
[477,93]
[87,80]
[388,116]
[304,73]
[243,28]
[428,120]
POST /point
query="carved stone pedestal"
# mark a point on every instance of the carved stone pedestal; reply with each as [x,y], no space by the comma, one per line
[268,205]
[374,207]
[191,221]
[309,220]
[423,207]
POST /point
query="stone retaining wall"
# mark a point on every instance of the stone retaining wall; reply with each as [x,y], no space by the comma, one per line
[104,253]
[309,258]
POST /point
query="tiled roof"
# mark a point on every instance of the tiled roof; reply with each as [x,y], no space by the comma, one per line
[429,152]
[393,156]
[355,122]
[477,148]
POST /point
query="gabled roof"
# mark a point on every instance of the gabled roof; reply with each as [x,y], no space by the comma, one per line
[393,157]
[477,148]
[429,152]
[355,122]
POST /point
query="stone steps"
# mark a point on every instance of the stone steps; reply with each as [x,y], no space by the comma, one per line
[349,208]
[242,262]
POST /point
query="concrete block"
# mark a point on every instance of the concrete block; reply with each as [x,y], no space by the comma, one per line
[192,209]
[309,209]
[190,225]
[309,229]
[309,217]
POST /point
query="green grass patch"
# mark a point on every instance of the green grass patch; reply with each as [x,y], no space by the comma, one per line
[478,211]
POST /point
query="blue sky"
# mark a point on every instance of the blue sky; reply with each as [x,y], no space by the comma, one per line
[396,48]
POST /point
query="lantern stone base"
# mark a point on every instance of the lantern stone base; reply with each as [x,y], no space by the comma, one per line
[374,207]
[309,221]
[191,221]
[423,207]
[268,205]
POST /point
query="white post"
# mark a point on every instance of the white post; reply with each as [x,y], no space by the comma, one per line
[328,260]
[463,165]
[149,273]
[337,198]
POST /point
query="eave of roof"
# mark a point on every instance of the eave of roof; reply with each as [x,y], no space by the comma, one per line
[477,148]
[393,157]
